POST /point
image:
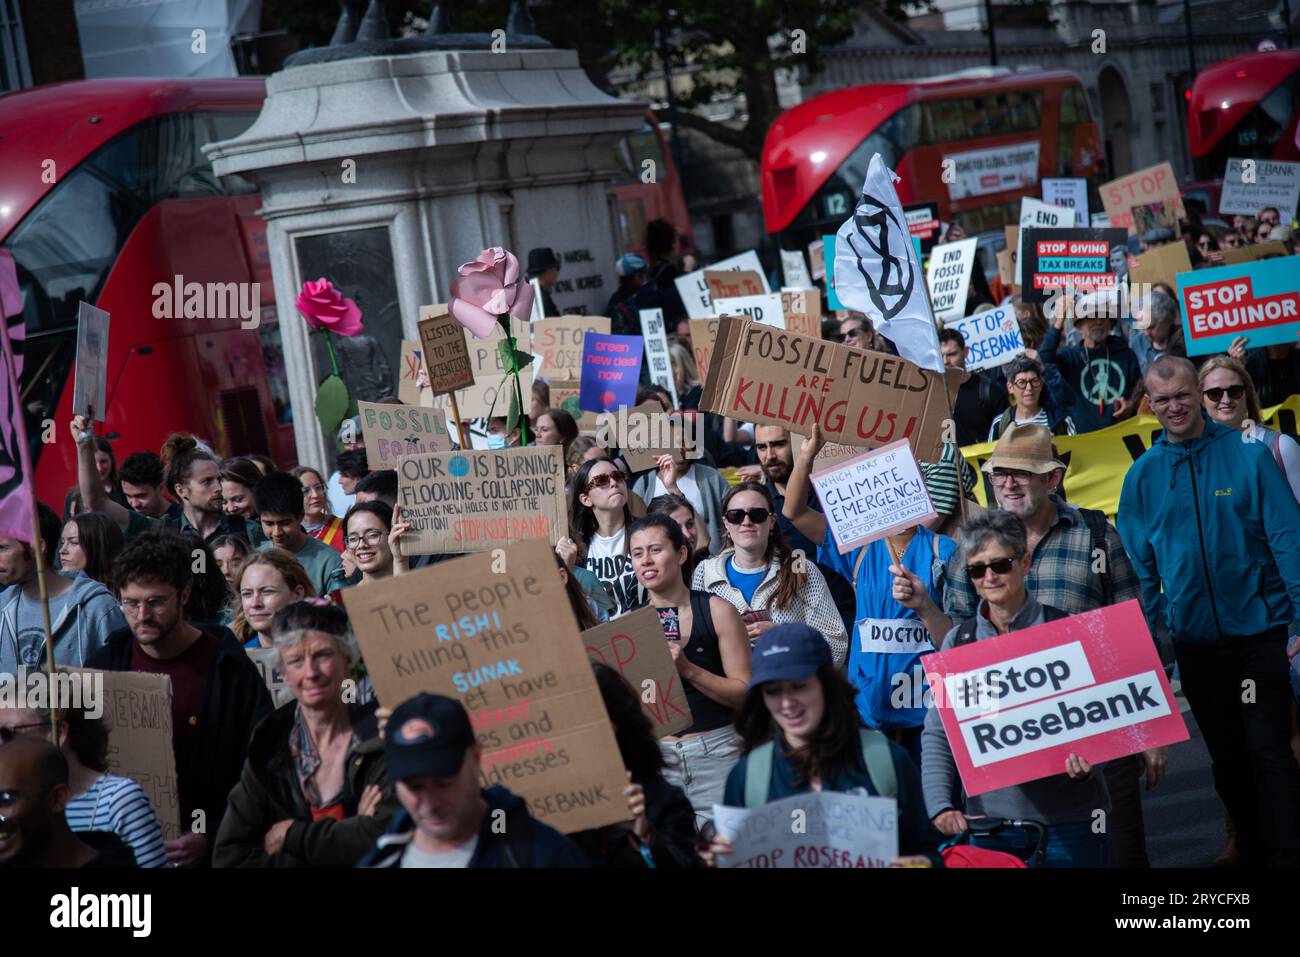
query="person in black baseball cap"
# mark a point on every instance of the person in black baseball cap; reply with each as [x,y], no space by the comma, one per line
[801,733]
[432,757]
[544,266]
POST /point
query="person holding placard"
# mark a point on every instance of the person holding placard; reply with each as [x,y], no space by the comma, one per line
[890,637]
[708,644]
[598,519]
[996,551]
[757,573]
[662,834]
[802,734]
[370,536]
[313,790]
[1102,371]
[702,485]
[1228,395]
[1039,396]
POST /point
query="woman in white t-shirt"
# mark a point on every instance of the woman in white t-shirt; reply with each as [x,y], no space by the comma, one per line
[598,520]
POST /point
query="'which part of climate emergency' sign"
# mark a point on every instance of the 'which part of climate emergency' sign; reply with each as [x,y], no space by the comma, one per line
[1016,706]
[1259,300]
[873,495]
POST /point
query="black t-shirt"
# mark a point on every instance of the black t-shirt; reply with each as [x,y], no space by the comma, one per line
[701,649]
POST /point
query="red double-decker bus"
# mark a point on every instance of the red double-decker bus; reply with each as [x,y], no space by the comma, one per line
[105,193]
[1002,133]
[1246,107]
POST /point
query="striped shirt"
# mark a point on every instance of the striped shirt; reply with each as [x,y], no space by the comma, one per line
[119,805]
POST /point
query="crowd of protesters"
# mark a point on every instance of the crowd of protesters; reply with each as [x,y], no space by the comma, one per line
[773,631]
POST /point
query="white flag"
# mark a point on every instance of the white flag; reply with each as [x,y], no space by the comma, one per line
[878,273]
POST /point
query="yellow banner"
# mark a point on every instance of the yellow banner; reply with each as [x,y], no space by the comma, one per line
[1097,461]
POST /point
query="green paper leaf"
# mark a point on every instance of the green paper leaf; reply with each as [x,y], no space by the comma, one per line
[572,406]
[507,355]
[332,403]
[512,419]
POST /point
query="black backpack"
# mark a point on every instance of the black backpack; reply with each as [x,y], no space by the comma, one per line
[966,626]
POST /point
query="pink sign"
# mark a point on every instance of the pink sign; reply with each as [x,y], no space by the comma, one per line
[1016,706]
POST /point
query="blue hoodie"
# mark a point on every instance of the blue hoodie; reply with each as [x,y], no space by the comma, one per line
[1214,520]
[89,615]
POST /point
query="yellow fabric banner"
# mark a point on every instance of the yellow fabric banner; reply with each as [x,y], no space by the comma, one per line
[1097,461]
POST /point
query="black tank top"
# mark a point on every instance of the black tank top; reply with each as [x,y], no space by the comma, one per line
[701,649]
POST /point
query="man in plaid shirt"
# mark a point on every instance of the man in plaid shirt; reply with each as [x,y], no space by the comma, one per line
[1071,570]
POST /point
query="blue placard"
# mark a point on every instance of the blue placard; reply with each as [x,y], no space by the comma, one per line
[828,249]
[611,369]
[1259,300]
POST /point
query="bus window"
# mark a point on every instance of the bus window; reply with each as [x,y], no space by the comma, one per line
[1074,113]
[632,152]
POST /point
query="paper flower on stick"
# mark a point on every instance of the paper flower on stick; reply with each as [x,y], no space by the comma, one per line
[490,287]
[489,291]
[327,311]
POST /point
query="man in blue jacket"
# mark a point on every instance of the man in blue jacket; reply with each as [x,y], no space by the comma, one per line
[432,759]
[1207,513]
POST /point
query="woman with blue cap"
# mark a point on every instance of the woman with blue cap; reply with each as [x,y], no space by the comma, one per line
[800,733]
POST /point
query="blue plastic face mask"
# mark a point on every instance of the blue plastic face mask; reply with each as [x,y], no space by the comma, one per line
[497,440]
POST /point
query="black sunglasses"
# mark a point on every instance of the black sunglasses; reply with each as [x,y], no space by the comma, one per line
[1234,392]
[999,565]
[736,516]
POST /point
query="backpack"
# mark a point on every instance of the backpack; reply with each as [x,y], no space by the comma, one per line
[966,626]
[1097,524]
[875,755]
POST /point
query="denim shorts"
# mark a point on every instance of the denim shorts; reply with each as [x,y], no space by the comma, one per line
[699,765]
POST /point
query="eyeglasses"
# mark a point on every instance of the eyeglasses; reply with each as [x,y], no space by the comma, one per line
[1024,385]
[9,732]
[1003,476]
[132,607]
[372,537]
[736,516]
[605,479]
[1235,392]
[999,565]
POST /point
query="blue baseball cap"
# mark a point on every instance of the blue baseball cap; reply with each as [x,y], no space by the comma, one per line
[629,264]
[790,652]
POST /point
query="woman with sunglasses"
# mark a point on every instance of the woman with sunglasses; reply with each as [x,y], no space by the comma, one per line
[767,583]
[706,639]
[316,519]
[995,548]
[1208,247]
[1038,395]
[598,519]
[884,654]
[1228,396]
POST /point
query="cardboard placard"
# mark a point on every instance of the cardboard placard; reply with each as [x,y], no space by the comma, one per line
[1162,264]
[657,361]
[391,431]
[873,495]
[559,342]
[634,645]
[1258,300]
[1069,192]
[264,660]
[500,636]
[923,224]
[445,352]
[1273,249]
[1273,183]
[733,283]
[703,334]
[1157,215]
[1091,684]
[90,389]
[474,501]
[992,337]
[138,716]
[408,376]
[642,434]
[694,290]
[794,269]
[1055,259]
[1150,185]
[948,276]
[817,259]
[1006,266]
[771,376]
[838,830]
[611,371]
[765,309]
[488,368]
[1035,214]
